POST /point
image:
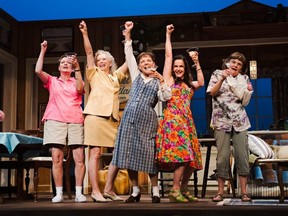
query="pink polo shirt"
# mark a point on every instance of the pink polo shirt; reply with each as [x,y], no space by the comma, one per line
[64,103]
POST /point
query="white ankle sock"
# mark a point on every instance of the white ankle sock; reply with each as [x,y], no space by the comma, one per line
[59,190]
[78,190]
[136,191]
[155,191]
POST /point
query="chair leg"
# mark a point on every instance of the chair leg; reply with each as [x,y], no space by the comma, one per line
[195,184]
[36,181]
[27,180]
[162,184]
[9,182]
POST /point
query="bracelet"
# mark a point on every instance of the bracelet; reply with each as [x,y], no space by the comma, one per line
[77,70]
[198,69]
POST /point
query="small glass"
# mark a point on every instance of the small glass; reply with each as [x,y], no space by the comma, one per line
[122,28]
[227,65]
[153,68]
[192,51]
[70,54]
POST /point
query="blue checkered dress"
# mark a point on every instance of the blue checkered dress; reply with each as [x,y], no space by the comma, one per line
[135,142]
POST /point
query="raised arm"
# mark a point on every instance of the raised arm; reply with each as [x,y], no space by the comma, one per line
[167,71]
[39,64]
[87,45]
[200,77]
[78,75]
[128,49]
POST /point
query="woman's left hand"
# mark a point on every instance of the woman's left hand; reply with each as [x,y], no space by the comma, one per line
[249,86]
[194,56]
[157,75]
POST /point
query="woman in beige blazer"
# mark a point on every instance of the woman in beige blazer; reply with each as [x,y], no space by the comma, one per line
[102,108]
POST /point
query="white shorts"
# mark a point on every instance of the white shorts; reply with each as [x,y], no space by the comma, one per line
[63,133]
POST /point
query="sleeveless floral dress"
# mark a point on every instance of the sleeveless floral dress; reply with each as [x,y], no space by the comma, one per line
[176,140]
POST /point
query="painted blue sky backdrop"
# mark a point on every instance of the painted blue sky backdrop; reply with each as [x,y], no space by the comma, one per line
[37,10]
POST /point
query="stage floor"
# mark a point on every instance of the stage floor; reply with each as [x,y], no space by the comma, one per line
[205,207]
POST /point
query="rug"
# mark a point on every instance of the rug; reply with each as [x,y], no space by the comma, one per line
[254,202]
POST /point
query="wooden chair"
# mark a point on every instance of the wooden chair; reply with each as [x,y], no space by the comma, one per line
[46,162]
[10,162]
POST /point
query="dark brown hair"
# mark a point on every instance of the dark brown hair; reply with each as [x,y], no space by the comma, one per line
[187,79]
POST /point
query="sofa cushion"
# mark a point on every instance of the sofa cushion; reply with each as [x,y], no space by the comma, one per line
[281,152]
[259,147]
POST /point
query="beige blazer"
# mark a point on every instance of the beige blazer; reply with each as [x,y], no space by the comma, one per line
[103,98]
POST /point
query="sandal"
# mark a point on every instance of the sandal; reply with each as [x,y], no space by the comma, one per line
[188,196]
[175,196]
[217,198]
[246,198]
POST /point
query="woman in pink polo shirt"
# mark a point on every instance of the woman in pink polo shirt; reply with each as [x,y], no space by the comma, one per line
[63,119]
[2,115]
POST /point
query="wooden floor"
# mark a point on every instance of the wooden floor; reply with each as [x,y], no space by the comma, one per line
[205,207]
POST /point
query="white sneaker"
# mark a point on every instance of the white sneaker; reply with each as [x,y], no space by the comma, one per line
[58,198]
[80,198]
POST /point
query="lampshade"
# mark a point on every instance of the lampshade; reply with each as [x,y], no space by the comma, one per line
[253,69]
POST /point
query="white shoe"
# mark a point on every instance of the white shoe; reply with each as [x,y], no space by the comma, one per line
[58,198]
[98,198]
[113,197]
[80,198]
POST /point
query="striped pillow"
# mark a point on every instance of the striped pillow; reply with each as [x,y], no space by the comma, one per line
[259,147]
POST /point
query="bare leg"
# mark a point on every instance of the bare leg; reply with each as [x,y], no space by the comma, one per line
[188,171]
[78,156]
[221,184]
[57,168]
[178,173]
[243,184]
[93,168]
[57,171]
[112,173]
[184,183]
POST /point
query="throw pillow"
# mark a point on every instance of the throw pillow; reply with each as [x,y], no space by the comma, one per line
[259,147]
[281,152]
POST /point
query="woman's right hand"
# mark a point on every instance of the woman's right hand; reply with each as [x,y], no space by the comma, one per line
[128,26]
[225,73]
[170,28]
[83,27]
[44,45]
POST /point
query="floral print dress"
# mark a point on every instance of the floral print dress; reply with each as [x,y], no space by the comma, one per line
[176,140]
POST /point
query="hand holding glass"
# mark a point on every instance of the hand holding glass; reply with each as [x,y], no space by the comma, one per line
[70,56]
[153,68]
[192,51]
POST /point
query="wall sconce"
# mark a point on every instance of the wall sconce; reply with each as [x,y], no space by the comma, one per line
[253,69]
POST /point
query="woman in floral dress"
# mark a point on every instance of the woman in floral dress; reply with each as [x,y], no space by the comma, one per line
[176,142]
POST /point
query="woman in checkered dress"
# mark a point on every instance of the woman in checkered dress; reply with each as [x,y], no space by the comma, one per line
[135,143]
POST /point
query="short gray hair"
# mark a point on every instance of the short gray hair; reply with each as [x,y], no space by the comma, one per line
[114,66]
